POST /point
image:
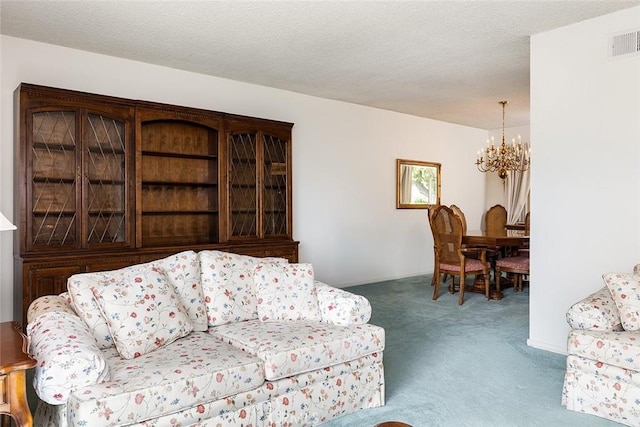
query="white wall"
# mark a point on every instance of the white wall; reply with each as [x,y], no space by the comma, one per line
[585,127]
[344,159]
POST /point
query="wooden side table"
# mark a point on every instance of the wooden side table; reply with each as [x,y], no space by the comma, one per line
[14,362]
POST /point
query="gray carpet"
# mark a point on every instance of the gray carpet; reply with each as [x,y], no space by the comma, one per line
[469,365]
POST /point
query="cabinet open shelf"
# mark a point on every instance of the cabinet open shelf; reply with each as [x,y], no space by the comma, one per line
[178,184]
[106,181]
[53,213]
[53,180]
[53,146]
[180,155]
[180,212]
[107,212]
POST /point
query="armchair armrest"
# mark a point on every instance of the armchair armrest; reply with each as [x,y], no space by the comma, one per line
[596,312]
[341,307]
[67,355]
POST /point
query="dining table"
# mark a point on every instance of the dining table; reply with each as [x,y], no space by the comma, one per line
[498,238]
[507,238]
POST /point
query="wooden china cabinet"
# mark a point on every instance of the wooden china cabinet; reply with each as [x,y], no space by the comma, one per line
[104,182]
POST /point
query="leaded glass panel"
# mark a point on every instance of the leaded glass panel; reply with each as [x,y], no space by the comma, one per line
[243,192]
[275,185]
[106,179]
[53,182]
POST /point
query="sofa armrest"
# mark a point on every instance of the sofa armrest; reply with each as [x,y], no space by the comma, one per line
[341,307]
[47,304]
[67,355]
[596,312]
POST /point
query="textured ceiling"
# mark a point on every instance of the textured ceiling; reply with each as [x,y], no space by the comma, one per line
[446,60]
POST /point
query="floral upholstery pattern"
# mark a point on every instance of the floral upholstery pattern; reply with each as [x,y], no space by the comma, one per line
[602,389]
[208,378]
[326,394]
[603,362]
[471,264]
[308,399]
[48,303]
[64,365]
[228,286]
[340,307]
[85,304]
[595,312]
[616,348]
[291,348]
[143,313]
[192,370]
[514,262]
[286,292]
[183,272]
[625,290]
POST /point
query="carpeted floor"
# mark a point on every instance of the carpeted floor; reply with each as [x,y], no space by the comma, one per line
[469,365]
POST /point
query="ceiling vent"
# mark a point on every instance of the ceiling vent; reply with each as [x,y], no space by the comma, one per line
[627,43]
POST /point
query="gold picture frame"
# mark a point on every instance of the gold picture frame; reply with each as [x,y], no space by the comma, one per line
[417,184]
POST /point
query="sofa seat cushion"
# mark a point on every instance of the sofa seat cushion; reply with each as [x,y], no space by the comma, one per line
[620,349]
[192,370]
[291,348]
[323,391]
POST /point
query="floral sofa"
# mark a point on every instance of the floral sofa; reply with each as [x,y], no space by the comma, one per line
[203,339]
[603,361]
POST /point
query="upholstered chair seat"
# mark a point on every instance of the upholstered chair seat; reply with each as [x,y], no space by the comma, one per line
[518,265]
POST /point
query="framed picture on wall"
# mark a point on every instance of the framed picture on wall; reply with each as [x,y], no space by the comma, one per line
[417,184]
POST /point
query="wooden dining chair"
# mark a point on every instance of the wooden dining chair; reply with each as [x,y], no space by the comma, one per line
[517,266]
[430,212]
[451,257]
[496,218]
[456,210]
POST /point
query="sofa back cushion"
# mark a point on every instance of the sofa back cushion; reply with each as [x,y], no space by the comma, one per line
[286,292]
[228,285]
[85,304]
[182,271]
[625,290]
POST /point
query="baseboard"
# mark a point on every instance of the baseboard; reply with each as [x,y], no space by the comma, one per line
[547,347]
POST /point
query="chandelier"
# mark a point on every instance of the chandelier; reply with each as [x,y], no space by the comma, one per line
[505,157]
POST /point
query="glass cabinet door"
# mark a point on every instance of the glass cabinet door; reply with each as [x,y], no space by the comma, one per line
[77,184]
[274,188]
[259,170]
[105,185]
[53,184]
[243,176]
